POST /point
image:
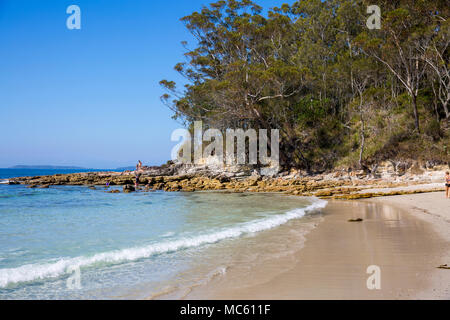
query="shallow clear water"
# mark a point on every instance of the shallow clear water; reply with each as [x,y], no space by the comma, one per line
[125,245]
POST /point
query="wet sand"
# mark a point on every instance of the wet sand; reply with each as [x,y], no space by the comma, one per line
[434,209]
[406,244]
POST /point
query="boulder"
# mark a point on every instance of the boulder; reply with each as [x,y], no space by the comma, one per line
[128,188]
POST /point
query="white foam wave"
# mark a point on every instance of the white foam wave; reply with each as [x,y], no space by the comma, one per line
[4,181]
[32,272]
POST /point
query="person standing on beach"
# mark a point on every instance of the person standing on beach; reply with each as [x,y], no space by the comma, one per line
[447,184]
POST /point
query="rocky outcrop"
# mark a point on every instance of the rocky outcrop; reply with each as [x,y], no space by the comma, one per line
[128,188]
[339,184]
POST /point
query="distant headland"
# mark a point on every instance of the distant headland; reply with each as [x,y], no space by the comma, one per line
[50,167]
[47,167]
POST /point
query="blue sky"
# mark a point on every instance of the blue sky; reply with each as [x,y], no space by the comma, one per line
[89,97]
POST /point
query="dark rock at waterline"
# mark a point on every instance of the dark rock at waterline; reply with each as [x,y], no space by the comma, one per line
[128,188]
[356,220]
[113,191]
[92,188]
[44,187]
[33,186]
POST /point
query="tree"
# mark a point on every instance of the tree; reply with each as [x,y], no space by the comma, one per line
[308,68]
[436,55]
[396,44]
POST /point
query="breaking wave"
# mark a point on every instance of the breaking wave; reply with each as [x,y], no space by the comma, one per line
[32,272]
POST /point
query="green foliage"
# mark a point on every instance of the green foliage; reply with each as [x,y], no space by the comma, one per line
[313,70]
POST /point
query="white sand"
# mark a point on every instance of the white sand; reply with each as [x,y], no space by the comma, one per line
[408,237]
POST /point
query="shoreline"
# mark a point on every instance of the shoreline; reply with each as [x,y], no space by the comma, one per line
[407,245]
[424,223]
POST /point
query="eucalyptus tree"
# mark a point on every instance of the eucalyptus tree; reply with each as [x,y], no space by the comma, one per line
[396,44]
[309,67]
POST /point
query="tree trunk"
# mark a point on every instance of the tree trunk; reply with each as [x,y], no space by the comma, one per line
[435,102]
[363,130]
[361,151]
[447,113]
[416,113]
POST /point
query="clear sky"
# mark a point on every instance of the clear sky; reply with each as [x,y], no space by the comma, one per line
[89,97]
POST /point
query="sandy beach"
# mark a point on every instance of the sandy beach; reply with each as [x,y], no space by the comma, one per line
[434,209]
[406,236]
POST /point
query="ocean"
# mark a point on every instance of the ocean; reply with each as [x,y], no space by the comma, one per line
[14,173]
[71,242]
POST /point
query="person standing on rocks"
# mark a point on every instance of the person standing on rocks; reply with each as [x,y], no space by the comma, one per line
[138,173]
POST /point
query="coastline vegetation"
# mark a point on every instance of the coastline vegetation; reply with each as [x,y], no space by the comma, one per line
[340,94]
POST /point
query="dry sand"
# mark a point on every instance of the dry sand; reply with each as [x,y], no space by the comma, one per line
[408,237]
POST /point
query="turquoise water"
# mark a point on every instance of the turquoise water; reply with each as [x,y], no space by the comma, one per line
[124,245]
[12,173]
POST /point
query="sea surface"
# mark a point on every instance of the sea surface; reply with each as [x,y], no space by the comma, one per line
[14,173]
[71,242]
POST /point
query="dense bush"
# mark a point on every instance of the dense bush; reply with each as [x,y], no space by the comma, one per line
[340,94]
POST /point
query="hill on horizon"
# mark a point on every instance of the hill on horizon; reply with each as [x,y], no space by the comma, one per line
[50,167]
[46,167]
